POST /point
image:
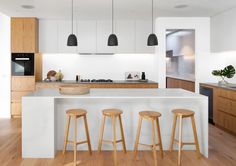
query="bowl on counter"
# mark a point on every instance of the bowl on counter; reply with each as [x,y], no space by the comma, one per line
[73,90]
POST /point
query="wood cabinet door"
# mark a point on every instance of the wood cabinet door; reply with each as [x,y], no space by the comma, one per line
[16,109]
[17,35]
[23,83]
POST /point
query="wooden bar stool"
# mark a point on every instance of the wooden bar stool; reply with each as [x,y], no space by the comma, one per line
[183,113]
[76,113]
[151,116]
[113,114]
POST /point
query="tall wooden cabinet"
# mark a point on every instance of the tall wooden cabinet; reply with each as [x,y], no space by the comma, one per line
[24,35]
[24,39]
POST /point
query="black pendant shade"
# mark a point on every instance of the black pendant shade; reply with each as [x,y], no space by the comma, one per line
[152,40]
[72,40]
[112,40]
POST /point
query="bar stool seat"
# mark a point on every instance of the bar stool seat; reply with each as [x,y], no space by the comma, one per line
[113,114]
[75,114]
[183,113]
[152,116]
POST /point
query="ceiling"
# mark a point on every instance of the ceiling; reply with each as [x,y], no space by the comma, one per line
[101,9]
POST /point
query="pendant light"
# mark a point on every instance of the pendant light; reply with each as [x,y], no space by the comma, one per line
[72,39]
[112,39]
[152,38]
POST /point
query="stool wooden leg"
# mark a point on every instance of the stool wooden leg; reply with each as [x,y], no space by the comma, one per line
[154,143]
[173,133]
[101,133]
[75,139]
[137,136]
[180,139]
[114,138]
[122,134]
[87,134]
[159,136]
[66,134]
[195,136]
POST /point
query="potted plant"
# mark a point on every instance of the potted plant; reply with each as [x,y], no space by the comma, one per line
[228,72]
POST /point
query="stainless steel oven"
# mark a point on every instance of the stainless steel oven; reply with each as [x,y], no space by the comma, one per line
[22,64]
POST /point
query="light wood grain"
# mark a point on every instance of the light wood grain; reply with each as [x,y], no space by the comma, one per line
[178,83]
[22,83]
[220,154]
[38,67]
[16,96]
[24,35]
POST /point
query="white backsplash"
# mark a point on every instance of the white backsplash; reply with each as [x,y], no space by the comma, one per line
[99,66]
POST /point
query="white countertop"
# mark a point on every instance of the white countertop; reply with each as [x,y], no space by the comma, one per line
[120,93]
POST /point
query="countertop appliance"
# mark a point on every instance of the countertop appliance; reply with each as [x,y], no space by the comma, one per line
[209,93]
[96,80]
[22,64]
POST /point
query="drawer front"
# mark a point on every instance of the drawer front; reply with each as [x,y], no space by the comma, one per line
[227,94]
[226,105]
[23,83]
[16,96]
[16,109]
[226,121]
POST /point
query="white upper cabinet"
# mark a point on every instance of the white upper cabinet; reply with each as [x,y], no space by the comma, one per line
[64,30]
[103,31]
[142,30]
[125,31]
[92,36]
[48,36]
[87,36]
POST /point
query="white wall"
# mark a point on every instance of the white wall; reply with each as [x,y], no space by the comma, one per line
[202,47]
[5,62]
[99,66]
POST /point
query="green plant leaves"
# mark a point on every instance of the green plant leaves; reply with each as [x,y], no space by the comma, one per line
[228,71]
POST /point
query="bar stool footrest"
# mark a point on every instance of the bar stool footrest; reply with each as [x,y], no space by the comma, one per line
[111,142]
[78,143]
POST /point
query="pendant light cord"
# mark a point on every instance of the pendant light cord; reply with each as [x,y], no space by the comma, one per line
[72,14]
[152,17]
[112,10]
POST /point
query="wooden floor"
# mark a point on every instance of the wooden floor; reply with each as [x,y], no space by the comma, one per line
[222,152]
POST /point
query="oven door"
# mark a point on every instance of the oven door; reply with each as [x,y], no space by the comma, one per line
[22,64]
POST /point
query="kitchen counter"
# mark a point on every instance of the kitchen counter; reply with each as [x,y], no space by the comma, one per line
[228,87]
[44,117]
[186,77]
[114,82]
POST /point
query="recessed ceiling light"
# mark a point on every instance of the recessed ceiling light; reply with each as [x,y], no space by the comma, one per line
[27,6]
[182,6]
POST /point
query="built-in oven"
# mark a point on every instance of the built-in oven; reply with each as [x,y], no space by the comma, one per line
[22,64]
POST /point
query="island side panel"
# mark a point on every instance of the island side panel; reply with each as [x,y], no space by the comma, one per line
[38,132]
[131,108]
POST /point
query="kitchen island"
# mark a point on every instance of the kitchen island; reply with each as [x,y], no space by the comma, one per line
[44,117]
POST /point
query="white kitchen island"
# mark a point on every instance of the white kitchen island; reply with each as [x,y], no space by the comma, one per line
[44,117]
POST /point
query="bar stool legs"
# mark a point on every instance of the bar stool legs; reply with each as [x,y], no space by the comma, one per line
[182,113]
[113,114]
[152,116]
[75,114]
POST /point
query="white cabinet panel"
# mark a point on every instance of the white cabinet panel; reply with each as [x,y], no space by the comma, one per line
[103,31]
[64,30]
[142,30]
[87,36]
[125,31]
[48,36]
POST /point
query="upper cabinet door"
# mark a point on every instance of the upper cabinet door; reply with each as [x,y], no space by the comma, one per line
[87,32]
[125,31]
[48,36]
[24,35]
[103,32]
[142,30]
[64,30]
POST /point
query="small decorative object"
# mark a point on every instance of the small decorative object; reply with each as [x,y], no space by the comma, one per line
[143,76]
[59,76]
[74,90]
[132,76]
[51,74]
[228,72]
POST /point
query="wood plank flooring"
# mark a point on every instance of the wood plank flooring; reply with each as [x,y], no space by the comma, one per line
[222,152]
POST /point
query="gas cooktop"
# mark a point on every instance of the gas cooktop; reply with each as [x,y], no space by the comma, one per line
[96,80]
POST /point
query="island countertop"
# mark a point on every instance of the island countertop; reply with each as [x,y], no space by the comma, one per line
[120,93]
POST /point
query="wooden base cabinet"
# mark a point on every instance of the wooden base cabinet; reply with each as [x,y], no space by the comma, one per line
[178,83]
